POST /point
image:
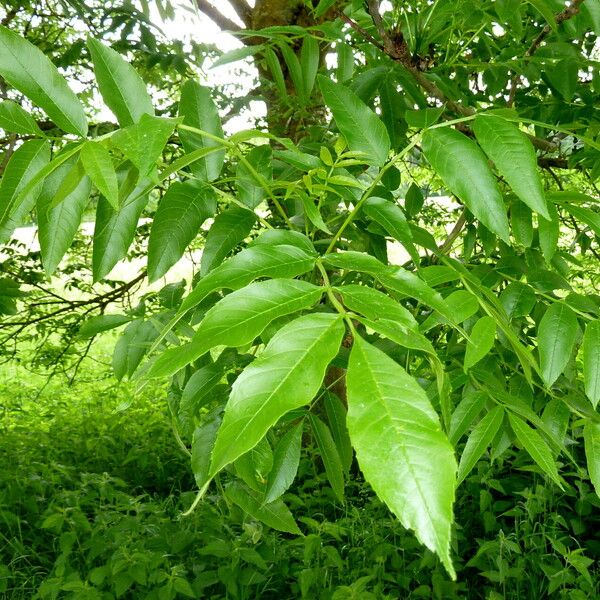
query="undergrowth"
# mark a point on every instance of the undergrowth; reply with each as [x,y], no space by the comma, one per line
[93,484]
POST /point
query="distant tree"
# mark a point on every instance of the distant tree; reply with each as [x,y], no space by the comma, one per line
[403,261]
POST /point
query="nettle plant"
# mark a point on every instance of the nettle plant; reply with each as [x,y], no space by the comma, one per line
[297,326]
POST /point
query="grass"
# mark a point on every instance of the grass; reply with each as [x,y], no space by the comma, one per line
[93,484]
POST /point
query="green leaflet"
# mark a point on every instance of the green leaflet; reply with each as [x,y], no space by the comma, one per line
[557,333]
[23,166]
[591,437]
[518,299]
[286,459]
[481,437]
[203,442]
[287,375]
[98,164]
[144,142]
[481,341]
[591,361]
[58,225]
[536,447]
[310,57]
[359,125]
[374,304]
[463,167]
[549,233]
[336,418]
[395,279]
[276,514]
[390,216]
[198,110]
[250,192]
[464,414]
[31,72]
[244,267]
[100,323]
[400,446]
[17,120]
[238,318]
[121,87]
[520,221]
[280,237]
[514,157]
[114,230]
[181,212]
[132,347]
[329,455]
[228,230]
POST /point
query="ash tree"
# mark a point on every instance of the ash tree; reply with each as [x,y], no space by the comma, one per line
[399,264]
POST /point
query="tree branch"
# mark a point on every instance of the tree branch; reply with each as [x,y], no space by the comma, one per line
[397,49]
[243,11]
[569,12]
[216,16]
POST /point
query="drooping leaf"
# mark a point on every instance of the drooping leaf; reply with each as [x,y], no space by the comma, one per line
[250,192]
[203,442]
[481,341]
[181,212]
[310,57]
[59,224]
[536,447]
[520,221]
[121,87]
[144,142]
[114,230]
[251,263]
[390,216]
[132,346]
[31,72]
[287,375]
[557,334]
[549,233]
[591,361]
[336,417]
[480,439]
[591,437]
[359,125]
[198,110]
[464,414]
[463,168]
[238,318]
[329,455]
[26,162]
[514,157]
[228,230]
[101,323]
[197,390]
[400,446]
[312,213]
[15,119]
[98,164]
[286,459]
[275,514]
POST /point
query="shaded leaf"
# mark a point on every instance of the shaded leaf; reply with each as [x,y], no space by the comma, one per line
[591,361]
[329,455]
[286,459]
[481,341]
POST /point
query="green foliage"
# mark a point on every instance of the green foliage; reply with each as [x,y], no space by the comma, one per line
[331,280]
